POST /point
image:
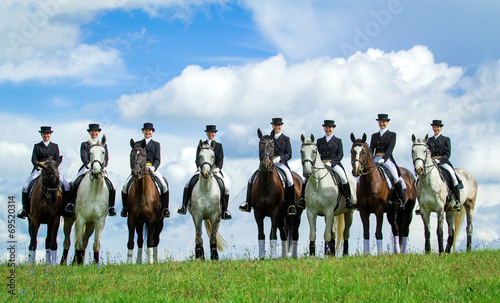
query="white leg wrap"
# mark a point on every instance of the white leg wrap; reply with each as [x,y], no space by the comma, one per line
[284,249]
[295,250]
[150,255]
[274,244]
[47,257]
[139,256]
[404,249]
[130,253]
[262,249]
[396,244]
[31,257]
[366,246]
[380,247]
[53,257]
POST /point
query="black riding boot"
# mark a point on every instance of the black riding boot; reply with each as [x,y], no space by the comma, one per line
[401,195]
[164,205]
[69,207]
[111,203]
[302,200]
[124,205]
[348,196]
[226,215]
[246,206]
[23,213]
[290,198]
[456,193]
[185,199]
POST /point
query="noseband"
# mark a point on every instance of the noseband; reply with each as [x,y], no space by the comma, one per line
[206,162]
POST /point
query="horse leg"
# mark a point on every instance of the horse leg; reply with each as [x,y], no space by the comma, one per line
[99,226]
[261,236]
[329,240]
[469,211]
[295,235]
[214,255]
[391,217]
[33,228]
[365,220]
[68,225]
[130,243]
[311,217]
[156,236]
[427,233]
[53,240]
[348,218]
[139,229]
[79,248]
[378,232]
[273,237]
[450,220]
[280,224]
[198,240]
[440,217]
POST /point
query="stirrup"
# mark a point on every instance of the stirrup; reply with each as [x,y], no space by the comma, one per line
[70,208]
[417,212]
[111,212]
[292,210]
[456,207]
[245,207]
[301,203]
[348,203]
[22,214]
[399,205]
[226,215]
[181,210]
[165,213]
[124,213]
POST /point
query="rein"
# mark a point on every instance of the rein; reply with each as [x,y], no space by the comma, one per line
[363,164]
[314,168]
[433,165]
[48,190]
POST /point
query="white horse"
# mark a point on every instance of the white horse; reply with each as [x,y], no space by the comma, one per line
[432,192]
[322,199]
[205,205]
[91,207]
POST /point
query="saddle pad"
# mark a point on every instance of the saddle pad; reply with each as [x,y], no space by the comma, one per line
[385,173]
[159,187]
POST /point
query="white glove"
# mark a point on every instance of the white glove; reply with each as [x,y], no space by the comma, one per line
[152,169]
[437,161]
[216,170]
[87,166]
[277,160]
[328,164]
[381,161]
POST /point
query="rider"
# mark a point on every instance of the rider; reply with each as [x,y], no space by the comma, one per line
[331,153]
[41,152]
[85,147]
[282,153]
[381,147]
[153,160]
[210,130]
[440,147]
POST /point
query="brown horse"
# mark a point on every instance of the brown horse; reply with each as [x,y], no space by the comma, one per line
[267,201]
[374,195]
[143,206]
[46,207]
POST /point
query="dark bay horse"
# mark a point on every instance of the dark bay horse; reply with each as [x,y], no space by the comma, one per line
[143,206]
[46,207]
[374,195]
[267,198]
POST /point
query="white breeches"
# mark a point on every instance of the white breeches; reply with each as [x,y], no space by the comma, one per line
[289,178]
[451,171]
[392,168]
[63,183]
[156,173]
[343,177]
[226,189]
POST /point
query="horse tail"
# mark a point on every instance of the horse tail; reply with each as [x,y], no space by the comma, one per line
[221,243]
[459,219]
[338,229]
[289,222]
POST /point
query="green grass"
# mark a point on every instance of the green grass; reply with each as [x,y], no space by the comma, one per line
[389,278]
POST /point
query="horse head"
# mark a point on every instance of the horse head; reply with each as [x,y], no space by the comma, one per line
[50,176]
[266,150]
[359,154]
[206,158]
[420,153]
[309,154]
[138,158]
[97,156]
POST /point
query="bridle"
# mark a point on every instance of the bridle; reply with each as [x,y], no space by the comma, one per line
[313,161]
[363,164]
[206,162]
[49,192]
[268,154]
[427,151]
[141,162]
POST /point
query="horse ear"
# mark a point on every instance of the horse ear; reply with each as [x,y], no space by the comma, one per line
[312,138]
[132,143]
[364,138]
[103,140]
[58,162]
[259,133]
[212,144]
[426,138]
[200,144]
[413,138]
[353,139]
[302,138]
[272,134]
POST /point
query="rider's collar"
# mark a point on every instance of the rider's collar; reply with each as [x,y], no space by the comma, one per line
[46,143]
[93,140]
[147,140]
[209,141]
[276,136]
[328,137]
[382,131]
[435,137]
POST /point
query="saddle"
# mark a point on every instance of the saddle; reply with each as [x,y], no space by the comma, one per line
[386,174]
[281,175]
[196,177]
[32,185]
[337,181]
[156,180]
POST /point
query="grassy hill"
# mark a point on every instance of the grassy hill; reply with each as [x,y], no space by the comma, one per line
[389,278]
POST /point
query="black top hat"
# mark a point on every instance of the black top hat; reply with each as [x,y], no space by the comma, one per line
[211,128]
[330,123]
[45,129]
[383,117]
[148,125]
[437,123]
[94,126]
[277,121]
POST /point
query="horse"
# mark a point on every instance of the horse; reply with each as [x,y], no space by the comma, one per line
[205,205]
[91,207]
[432,192]
[267,198]
[143,206]
[46,207]
[323,198]
[374,195]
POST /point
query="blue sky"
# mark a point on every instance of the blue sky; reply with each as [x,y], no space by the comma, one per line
[237,64]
